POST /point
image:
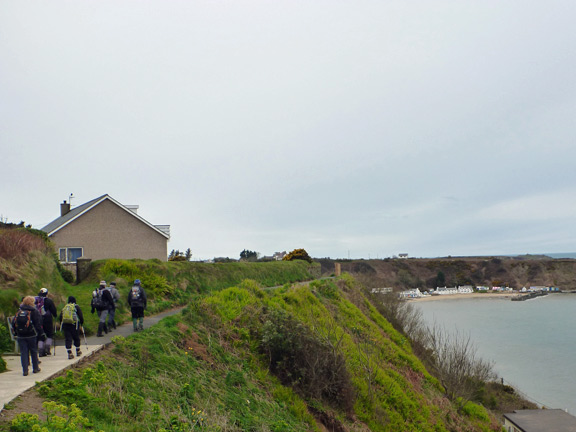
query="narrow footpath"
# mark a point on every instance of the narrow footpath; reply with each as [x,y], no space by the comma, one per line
[13,383]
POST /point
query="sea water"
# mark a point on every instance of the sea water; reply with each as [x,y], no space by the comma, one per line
[531,343]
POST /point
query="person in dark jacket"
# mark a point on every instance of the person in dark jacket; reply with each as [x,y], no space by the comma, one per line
[138,302]
[101,303]
[112,311]
[48,311]
[27,326]
[69,324]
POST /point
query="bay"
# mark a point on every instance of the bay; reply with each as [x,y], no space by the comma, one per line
[532,343]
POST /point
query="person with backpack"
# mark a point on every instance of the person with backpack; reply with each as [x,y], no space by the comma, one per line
[101,303]
[138,302]
[112,311]
[71,319]
[27,326]
[45,305]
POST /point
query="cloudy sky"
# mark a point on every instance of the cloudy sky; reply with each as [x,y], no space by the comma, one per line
[362,128]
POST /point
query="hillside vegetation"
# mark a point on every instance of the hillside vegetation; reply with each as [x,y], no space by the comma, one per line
[300,356]
[310,357]
[514,272]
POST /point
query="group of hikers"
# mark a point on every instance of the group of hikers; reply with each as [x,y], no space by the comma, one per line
[34,326]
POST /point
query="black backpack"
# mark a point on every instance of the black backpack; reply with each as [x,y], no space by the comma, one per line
[98,302]
[23,324]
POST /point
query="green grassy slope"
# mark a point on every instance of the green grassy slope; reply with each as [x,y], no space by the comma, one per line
[234,360]
[300,357]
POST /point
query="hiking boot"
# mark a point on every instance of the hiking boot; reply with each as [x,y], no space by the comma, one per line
[36,370]
[25,373]
[70,355]
[48,352]
[78,353]
[100,328]
[105,329]
[42,353]
[114,325]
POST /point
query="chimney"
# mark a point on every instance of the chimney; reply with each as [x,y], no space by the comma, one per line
[64,208]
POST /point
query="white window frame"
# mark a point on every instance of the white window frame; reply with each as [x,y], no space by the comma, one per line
[66,252]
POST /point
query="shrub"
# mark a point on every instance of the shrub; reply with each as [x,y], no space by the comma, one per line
[123,268]
[297,254]
[156,284]
[66,274]
[302,359]
[5,341]
[456,364]
[71,420]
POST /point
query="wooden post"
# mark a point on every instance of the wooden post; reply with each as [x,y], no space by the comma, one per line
[337,269]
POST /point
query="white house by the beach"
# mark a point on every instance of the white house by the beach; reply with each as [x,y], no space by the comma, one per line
[466,289]
[412,293]
[445,291]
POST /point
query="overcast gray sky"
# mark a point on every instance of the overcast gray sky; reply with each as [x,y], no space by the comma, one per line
[362,128]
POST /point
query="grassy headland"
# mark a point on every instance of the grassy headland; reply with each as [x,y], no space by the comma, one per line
[311,356]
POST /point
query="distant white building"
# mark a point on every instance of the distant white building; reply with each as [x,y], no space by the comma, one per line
[445,291]
[412,293]
[466,289]
[381,290]
[279,255]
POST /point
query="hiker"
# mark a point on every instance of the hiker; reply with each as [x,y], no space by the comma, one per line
[45,305]
[71,319]
[112,311]
[101,301]
[137,301]
[27,326]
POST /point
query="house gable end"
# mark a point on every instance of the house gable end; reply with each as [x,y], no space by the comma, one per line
[76,213]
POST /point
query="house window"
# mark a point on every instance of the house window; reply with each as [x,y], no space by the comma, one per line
[70,255]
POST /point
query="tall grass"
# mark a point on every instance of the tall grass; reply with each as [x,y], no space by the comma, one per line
[16,244]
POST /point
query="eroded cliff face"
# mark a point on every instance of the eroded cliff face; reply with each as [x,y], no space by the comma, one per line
[427,273]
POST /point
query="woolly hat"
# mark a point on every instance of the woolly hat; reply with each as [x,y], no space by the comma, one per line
[137,282]
[71,299]
[43,292]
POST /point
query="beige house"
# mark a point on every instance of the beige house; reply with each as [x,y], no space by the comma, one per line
[104,228]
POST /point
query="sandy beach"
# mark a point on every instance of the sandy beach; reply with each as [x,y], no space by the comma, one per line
[490,295]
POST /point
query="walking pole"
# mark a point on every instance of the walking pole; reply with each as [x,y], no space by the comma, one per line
[54,340]
[85,341]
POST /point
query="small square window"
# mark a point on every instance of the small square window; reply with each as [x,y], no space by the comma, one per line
[70,255]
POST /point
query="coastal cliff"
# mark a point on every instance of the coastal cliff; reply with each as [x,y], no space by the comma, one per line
[426,273]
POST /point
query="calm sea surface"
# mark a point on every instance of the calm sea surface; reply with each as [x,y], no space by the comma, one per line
[532,343]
